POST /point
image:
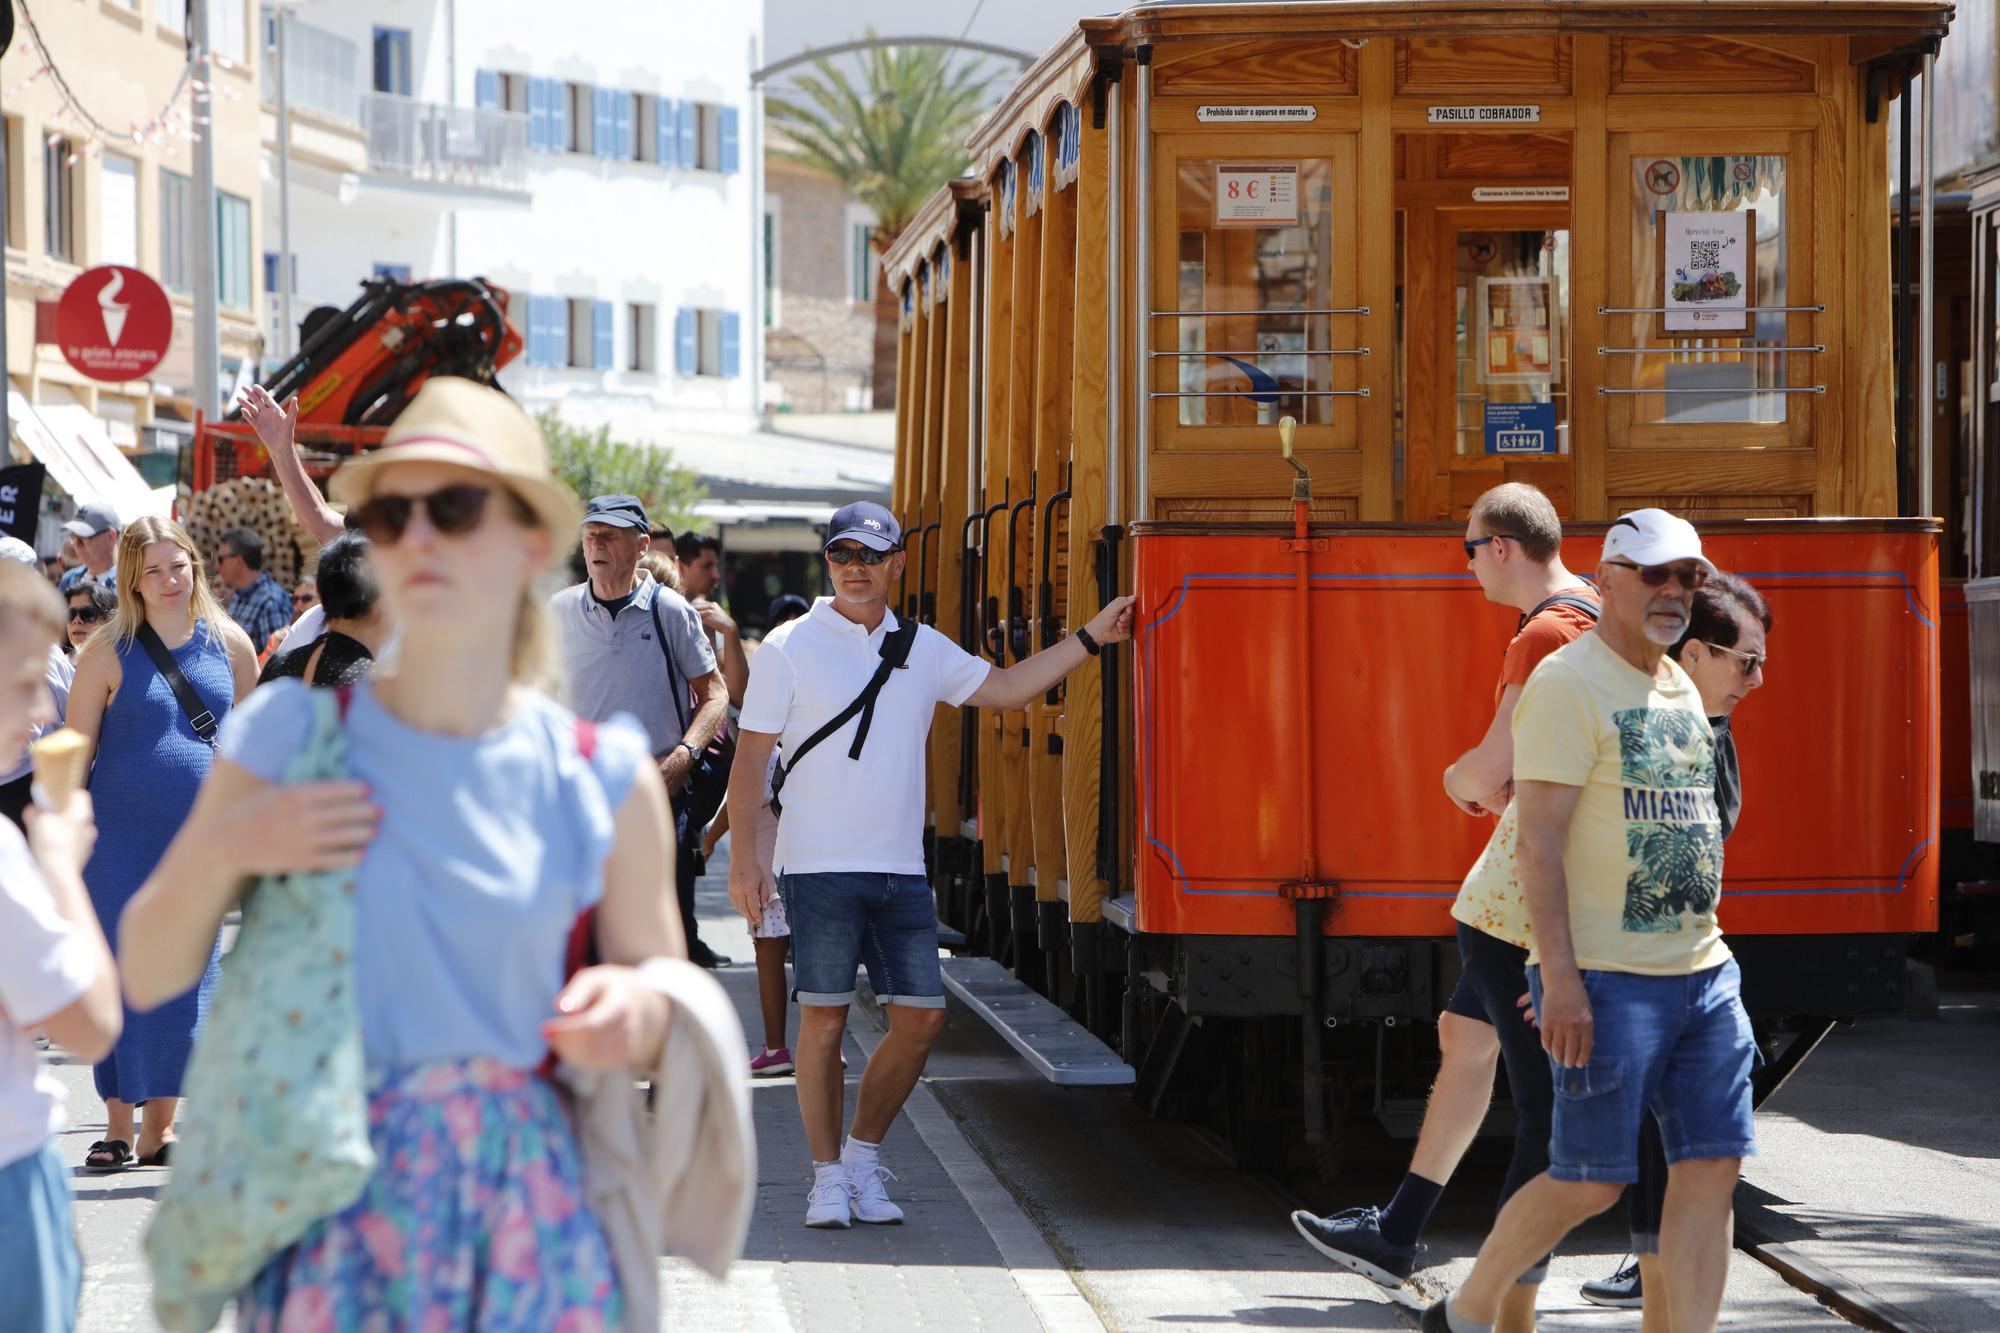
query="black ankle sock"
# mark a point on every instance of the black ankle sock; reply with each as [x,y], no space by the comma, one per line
[1410,1211]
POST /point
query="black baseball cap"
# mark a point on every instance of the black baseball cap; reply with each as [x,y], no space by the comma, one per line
[789,606]
[867,523]
[617,511]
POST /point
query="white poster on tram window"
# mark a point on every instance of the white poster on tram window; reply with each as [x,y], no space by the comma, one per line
[1256,194]
[1709,267]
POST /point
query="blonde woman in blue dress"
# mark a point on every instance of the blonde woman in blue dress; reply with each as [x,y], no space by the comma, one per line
[480,822]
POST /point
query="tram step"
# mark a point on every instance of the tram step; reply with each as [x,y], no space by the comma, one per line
[1122,912]
[950,938]
[1058,1048]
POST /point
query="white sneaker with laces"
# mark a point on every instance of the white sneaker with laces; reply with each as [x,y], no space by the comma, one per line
[829,1202]
[871,1200]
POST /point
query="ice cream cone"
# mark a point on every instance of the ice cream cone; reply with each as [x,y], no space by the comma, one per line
[59,766]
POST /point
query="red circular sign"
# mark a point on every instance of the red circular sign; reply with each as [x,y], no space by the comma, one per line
[1663,177]
[114,323]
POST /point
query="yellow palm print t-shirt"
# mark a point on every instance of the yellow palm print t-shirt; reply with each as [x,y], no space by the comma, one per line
[1643,862]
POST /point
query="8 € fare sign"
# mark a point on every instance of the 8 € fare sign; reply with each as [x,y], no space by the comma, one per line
[114,323]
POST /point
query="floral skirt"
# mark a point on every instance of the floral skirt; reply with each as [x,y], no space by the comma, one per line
[475,1219]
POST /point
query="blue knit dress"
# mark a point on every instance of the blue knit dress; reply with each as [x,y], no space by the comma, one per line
[149,766]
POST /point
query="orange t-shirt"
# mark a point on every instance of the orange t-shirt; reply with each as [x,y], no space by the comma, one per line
[1554,627]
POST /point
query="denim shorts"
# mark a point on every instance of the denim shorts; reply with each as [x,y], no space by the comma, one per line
[1680,1047]
[845,919]
[39,1267]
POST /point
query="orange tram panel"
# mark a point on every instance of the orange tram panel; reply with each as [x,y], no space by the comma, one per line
[1840,761]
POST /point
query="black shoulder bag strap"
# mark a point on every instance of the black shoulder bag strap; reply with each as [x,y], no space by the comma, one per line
[197,712]
[676,682]
[895,651]
[1569,599]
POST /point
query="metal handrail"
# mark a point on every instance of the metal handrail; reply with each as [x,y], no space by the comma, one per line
[1704,351]
[1741,309]
[1296,310]
[1308,351]
[1722,393]
[1262,393]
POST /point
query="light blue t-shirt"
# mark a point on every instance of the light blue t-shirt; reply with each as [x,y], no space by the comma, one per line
[489,848]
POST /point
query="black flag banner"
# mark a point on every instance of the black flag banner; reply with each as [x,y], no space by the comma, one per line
[21,500]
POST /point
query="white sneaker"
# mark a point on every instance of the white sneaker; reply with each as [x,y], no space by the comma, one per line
[871,1200]
[828,1203]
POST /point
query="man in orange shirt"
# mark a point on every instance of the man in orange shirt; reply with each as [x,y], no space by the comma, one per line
[1513,546]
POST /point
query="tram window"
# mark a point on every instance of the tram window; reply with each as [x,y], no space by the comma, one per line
[1254,236]
[1511,339]
[1711,183]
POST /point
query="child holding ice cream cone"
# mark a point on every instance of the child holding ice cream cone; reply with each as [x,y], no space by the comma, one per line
[56,973]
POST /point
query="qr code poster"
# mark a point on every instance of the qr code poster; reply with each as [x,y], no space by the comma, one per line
[1709,271]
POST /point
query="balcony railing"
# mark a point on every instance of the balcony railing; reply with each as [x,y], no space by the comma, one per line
[468,147]
[322,72]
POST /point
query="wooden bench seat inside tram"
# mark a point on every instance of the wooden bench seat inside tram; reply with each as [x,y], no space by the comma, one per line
[1054,1045]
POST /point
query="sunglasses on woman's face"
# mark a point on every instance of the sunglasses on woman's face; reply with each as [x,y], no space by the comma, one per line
[841,555]
[453,511]
[89,615]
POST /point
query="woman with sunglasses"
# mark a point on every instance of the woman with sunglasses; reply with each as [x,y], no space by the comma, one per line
[480,821]
[90,605]
[151,759]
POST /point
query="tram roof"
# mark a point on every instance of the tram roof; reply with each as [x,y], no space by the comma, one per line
[1063,74]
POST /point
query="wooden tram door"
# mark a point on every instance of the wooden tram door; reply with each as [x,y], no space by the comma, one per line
[1483,382]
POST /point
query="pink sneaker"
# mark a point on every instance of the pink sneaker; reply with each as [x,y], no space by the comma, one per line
[772,1063]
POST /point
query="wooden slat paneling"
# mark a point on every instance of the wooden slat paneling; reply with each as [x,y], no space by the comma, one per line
[1453,65]
[1512,156]
[1239,67]
[1712,64]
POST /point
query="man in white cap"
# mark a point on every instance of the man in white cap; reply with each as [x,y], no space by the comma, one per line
[1639,1001]
[20,777]
[95,530]
[850,851]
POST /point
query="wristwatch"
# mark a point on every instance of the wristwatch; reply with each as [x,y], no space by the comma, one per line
[694,751]
[1090,645]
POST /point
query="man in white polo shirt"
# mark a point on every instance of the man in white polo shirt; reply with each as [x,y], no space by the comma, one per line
[850,855]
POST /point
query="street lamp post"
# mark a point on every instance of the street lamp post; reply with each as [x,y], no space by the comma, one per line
[207,327]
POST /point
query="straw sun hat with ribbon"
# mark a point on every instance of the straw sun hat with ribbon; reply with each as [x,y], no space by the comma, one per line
[465,423]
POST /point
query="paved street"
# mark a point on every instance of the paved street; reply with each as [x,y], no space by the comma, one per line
[1034,1206]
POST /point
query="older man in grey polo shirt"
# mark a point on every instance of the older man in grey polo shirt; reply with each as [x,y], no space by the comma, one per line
[632,646]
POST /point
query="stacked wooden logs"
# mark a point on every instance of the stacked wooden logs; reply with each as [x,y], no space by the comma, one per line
[257,504]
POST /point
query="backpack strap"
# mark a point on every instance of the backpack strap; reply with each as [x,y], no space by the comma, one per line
[343,699]
[586,739]
[895,651]
[1568,599]
[582,931]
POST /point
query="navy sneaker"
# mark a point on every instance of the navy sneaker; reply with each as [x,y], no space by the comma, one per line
[1621,1289]
[1353,1240]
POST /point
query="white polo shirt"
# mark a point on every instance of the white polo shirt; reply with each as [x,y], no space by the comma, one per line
[841,813]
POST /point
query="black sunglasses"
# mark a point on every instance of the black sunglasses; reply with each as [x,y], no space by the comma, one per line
[89,615]
[1690,574]
[841,555]
[1472,547]
[1750,663]
[453,511]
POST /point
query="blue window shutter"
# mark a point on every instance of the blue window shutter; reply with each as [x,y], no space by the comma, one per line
[732,344]
[666,132]
[486,88]
[626,107]
[600,316]
[538,113]
[538,331]
[603,126]
[558,115]
[687,354]
[690,129]
[728,139]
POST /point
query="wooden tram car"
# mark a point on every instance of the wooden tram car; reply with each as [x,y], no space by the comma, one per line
[1451,240]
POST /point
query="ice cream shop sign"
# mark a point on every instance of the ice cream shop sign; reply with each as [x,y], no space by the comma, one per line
[114,323]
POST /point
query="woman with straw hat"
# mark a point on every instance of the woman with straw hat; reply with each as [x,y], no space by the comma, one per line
[480,822]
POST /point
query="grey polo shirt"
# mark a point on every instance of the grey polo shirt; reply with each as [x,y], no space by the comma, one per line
[615,664]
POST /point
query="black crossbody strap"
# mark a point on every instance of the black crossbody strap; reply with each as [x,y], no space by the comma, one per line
[678,686]
[1569,599]
[198,716]
[895,652]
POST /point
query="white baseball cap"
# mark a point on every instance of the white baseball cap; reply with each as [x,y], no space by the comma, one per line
[1654,537]
[13,548]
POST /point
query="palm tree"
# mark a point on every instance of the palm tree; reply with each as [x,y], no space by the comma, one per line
[892,139]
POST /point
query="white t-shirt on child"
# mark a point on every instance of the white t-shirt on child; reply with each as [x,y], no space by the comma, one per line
[45,964]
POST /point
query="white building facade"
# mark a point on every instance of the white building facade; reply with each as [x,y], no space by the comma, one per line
[598,164]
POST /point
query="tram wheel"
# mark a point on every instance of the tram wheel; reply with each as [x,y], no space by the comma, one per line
[1325,1160]
[1254,1120]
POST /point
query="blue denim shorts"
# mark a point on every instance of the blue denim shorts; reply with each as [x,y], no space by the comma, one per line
[39,1267]
[1680,1047]
[842,920]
